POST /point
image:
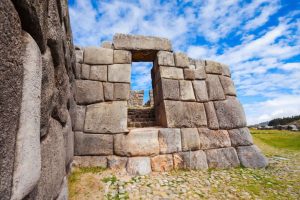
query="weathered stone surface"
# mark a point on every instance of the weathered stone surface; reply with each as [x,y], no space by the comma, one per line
[139,42]
[162,163]
[170,89]
[240,137]
[189,74]
[85,71]
[214,88]
[80,116]
[184,114]
[139,165]
[98,56]
[98,72]
[165,58]
[230,113]
[93,144]
[222,158]
[114,74]
[190,160]
[212,67]
[107,44]
[116,162]
[121,91]
[78,71]
[79,55]
[190,139]
[200,64]
[138,142]
[228,85]
[200,73]
[169,140]
[88,92]
[122,57]
[200,91]
[212,120]
[212,139]
[250,156]
[90,161]
[106,117]
[108,89]
[171,72]
[63,194]
[28,137]
[68,141]
[53,162]
[186,90]
[225,70]
[181,60]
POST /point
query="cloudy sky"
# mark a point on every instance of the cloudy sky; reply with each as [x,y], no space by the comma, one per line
[259,39]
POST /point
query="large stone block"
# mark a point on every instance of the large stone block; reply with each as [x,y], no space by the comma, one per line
[80,116]
[228,85]
[165,58]
[116,162]
[186,90]
[250,156]
[222,158]
[214,88]
[122,57]
[240,137]
[85,71]
[106,117]
[53,163]
[212,120]
[213,67]
[138,142]
[162,163]
[190,139]
[181,60]
[169,140]
[78,71]
[88,92]
[119,73]
[139,166]
[28,148]
[184,114]
[90,161]
[170,89]
[98,56]
[190,160]
[121,91]
[189,74]
[171,72]
[79,55]
[98,72]
[200,91]
[212,139]
[230,113]
[108,89]
[139,42]
[93,144]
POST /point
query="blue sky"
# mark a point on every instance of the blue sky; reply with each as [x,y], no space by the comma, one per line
[259,40]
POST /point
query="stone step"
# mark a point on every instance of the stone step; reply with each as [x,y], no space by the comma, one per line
[141,124]
[141,117]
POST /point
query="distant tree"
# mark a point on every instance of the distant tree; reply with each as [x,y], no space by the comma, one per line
[283,121]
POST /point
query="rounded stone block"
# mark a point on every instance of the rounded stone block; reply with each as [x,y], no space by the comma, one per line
[122,57]
[98,56]
[119,73]
[189,74]
[228,85]
[106,117]
[121,91]
[88,92]
[212,139]
[139,166]
[212,120]
[190,160]
[222,158]
[251,156]
[93,144]
[230,113]
[171,72]
[98,73]
[165,58]
[212,67]
[186,90]
[214,88]
[170,89]
[240,137]
[169,140]
[200,91]
[181,60]
[162,163]
[138,142]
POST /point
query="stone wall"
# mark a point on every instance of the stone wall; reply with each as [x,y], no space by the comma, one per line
[201,123]
[36,99]
[136,98]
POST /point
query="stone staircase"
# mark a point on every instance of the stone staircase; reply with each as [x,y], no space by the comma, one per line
[141,117]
